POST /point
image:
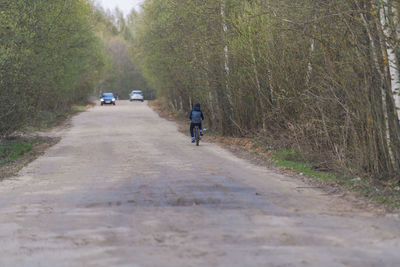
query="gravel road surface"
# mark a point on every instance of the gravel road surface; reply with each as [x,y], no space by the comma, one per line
[124,188]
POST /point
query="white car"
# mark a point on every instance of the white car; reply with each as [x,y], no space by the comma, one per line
[136,96]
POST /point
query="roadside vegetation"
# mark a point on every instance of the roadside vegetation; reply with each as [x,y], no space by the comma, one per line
[55,54]
[49,59]
[384,191]
[320,78]
[13,149]
[17,151]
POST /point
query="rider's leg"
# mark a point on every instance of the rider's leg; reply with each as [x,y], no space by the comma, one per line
[201,128]
[191,132]
[191,129]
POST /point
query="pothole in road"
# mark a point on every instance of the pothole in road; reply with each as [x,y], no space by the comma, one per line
[176,202]
[105,204]
[184,202]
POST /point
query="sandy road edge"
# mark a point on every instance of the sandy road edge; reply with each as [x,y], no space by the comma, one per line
[48,138]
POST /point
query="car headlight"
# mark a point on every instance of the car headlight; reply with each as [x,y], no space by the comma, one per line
[101,99]
[113,99]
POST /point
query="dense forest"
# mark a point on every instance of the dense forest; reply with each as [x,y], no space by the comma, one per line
[321,77]
[54,54]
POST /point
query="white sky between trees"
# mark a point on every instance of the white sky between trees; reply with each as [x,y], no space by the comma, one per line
[124,5]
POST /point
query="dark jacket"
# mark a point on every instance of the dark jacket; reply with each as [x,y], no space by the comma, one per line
[196,115]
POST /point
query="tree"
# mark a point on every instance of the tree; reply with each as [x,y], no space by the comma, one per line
[323,74]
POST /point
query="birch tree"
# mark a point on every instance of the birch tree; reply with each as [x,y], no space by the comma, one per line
[392,59]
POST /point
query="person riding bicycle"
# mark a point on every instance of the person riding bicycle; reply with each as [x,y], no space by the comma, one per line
[196,116]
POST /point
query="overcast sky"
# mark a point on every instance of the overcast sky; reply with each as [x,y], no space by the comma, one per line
[125,5]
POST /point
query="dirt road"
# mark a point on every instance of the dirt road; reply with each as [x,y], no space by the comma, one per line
[124,188]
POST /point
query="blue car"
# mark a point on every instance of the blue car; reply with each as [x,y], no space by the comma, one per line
[107,98]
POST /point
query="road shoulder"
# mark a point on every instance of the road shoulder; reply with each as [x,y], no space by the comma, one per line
[23,147]
[245,148]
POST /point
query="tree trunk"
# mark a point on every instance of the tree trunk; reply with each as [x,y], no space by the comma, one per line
[392,60]
[258,84]
[382,89]
[310,57]
[228,112]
